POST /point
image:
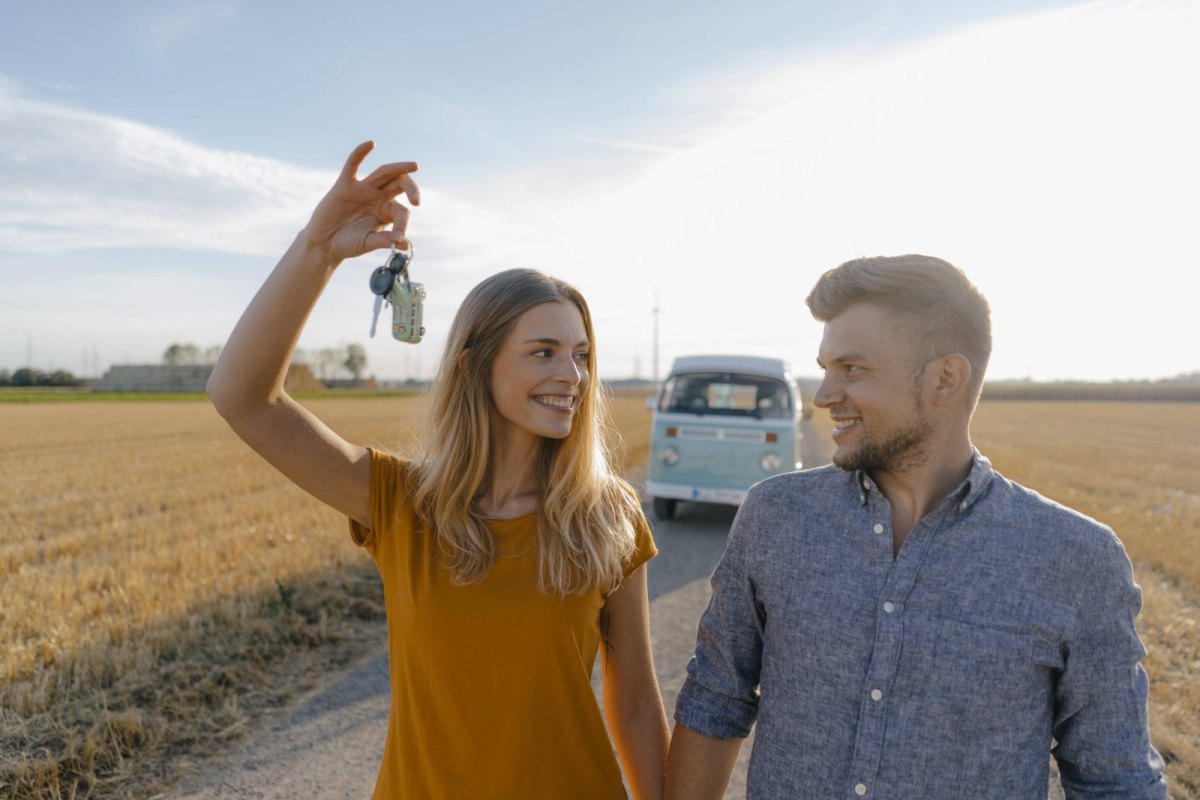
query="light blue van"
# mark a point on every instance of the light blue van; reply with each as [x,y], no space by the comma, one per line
[722,424]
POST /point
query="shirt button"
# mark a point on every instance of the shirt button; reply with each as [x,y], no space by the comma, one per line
[867,486]
[876,694]
[889,607]
[860,789]
[878,528]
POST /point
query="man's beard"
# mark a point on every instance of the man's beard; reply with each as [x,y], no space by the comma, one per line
[901,450]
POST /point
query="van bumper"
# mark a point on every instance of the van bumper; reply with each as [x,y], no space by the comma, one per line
[703,494]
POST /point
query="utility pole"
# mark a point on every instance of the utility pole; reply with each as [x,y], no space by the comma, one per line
[654,375]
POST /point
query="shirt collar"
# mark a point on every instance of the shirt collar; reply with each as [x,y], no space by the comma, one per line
[966,493]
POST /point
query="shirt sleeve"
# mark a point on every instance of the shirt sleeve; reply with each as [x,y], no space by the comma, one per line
[719,698]
[1100,722]
[389,476]
[644,547]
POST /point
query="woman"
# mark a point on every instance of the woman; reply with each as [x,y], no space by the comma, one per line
[508,551]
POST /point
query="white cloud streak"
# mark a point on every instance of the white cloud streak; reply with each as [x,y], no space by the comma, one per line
[75,179]
[168,24]
[1051,157]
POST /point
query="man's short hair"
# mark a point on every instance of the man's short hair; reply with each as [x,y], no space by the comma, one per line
[938,306]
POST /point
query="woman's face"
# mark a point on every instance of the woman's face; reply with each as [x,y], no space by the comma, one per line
[539,376]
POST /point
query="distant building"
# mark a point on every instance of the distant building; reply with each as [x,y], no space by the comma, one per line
[186,378]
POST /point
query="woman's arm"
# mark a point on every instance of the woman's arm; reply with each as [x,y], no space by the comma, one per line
[632,702]
[246,386]
[699,766]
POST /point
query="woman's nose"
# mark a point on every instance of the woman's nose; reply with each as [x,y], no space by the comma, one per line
[569,371]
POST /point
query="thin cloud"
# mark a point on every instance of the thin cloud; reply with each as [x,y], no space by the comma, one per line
[1051,178]
[72,179]
[637,147]
[166,26]
[1052,157]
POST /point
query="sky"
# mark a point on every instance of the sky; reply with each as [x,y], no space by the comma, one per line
[706,159]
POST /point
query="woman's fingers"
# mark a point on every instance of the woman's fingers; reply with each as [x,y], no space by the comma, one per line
[396,215]
[387,175]
[406,185]
[357,156]
[399,215]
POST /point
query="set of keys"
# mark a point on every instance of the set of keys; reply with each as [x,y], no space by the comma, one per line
[391,285]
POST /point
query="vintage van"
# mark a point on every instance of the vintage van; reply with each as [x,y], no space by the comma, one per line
[721,424]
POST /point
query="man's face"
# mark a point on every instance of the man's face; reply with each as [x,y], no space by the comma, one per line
[872,392]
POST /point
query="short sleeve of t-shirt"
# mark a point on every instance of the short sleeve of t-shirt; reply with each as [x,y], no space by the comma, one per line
[644,548]
[390,479]
[389,486]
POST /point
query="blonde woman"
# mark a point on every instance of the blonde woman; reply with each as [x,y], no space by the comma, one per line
[509,550]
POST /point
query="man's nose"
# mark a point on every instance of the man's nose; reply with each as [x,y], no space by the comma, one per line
[827,393]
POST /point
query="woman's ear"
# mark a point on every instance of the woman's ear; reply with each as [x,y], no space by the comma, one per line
[462,360]
[953,376]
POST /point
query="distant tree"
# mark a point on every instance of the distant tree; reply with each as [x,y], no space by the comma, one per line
[328,362]
[26,377]
[211,354]
[5,377]
[356,360]
[178,354]
[60,378]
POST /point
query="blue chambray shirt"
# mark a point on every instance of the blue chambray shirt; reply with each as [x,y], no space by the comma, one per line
[1004,627]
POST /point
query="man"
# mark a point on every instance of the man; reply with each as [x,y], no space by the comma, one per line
[908,624]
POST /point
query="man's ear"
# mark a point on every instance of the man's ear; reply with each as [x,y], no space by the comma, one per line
[952,374]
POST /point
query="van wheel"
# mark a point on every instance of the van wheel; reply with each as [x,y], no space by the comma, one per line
[664,507]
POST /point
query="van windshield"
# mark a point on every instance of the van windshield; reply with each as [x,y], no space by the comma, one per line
[728,393]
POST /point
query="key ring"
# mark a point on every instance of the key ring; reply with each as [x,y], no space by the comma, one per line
[405,256]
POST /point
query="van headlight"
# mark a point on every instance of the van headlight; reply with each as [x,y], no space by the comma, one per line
[668,456]
[770,462]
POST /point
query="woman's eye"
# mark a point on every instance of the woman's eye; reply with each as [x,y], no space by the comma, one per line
[582,357]
[543,353]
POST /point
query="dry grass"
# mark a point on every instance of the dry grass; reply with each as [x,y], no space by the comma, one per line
[1135,467]
[160,586]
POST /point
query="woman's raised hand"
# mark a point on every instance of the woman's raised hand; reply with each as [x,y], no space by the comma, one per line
[354,216]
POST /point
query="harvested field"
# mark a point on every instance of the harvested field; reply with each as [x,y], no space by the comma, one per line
[160,585]
[1135,467]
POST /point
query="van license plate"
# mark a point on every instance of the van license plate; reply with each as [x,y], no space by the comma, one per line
[732,496]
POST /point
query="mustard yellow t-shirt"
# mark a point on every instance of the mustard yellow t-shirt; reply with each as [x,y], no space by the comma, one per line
[491,682]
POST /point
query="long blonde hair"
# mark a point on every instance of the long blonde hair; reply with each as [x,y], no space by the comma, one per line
[587,512]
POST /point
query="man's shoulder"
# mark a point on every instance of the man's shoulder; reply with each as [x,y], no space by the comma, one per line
[1025,507]
[788,484]
[822,487]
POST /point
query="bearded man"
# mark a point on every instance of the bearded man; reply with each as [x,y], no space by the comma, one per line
[909,624]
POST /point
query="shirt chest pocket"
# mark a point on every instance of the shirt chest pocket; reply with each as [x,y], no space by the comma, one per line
[977,668]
